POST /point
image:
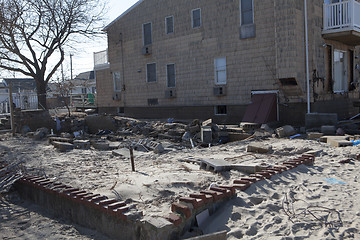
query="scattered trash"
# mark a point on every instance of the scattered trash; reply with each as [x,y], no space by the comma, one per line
[333,181]
[295,136]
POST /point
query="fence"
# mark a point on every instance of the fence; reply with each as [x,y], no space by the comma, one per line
[83,100]
[25,101]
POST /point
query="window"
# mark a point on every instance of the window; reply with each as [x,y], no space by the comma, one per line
[147,35]
[151,72]
[170,72]
[220,71]
[247,12]
[121,110]
[196,18]
[220,110]
[84,90]
[93,90]
[169,24]
[117,81]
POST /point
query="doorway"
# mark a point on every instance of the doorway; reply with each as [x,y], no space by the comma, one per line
[340,71]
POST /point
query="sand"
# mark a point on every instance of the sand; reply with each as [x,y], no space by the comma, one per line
[309,202]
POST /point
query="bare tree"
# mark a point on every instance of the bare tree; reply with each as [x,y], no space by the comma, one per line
[63,89]
[33,34]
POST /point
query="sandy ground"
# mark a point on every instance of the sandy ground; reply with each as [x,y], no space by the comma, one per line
[316,202]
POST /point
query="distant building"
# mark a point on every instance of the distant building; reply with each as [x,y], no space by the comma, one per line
[230,60]
[84,83]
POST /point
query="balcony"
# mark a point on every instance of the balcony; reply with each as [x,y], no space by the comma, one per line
[101,60]
[342,22]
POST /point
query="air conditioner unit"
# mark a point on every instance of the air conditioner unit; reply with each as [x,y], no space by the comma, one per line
[170,93]
[219,91]
[146,50]
[116,96]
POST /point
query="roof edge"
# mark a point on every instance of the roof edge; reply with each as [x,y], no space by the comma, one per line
[123,14]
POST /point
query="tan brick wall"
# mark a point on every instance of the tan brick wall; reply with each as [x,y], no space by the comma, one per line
[277,51]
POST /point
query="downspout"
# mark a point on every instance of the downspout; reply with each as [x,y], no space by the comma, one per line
[307,58]
[123,69]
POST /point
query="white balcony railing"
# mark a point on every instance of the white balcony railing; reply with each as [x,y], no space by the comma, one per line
[342,16]
[101,59]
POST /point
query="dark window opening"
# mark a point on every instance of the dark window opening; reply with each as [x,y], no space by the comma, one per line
[288,81]
[221,110]
[147,34]
[153,101]
[196,18]
[170,70]
[246,12]
[169,25]
[351,65]
[330,68]
[121,110]
[151,72]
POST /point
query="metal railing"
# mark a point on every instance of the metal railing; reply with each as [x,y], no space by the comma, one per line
[24,101]
[101,59]
[86,100]
[341,15]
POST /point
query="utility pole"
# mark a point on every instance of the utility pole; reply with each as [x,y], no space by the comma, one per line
[71,68]
[62,72]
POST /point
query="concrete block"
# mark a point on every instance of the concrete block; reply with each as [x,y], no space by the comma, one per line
[206,134]
[215,165]
[314,135]
[258,148]
[314,120]
[156,147]
[339,142]
[328,130]
[285,131]
[63,146]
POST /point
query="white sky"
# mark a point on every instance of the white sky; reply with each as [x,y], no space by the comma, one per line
[83,58]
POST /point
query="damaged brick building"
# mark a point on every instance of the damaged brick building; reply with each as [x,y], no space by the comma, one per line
[212,59]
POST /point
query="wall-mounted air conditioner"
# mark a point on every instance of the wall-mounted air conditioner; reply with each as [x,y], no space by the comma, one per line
[170,93]
[219,91]
[146,50]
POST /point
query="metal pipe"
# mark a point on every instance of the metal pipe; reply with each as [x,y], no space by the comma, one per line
[307,58]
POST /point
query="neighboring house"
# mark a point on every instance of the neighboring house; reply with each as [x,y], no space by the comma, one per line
[84,83]
[212,59]
[23,91]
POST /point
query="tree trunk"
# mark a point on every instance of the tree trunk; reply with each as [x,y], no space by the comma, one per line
[41,94]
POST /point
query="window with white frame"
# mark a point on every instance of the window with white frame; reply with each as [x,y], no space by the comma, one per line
[147,34]
[220,70]
[169,24]
[151,72]
[196,18]
[170,72]
[117,81]
[247,12]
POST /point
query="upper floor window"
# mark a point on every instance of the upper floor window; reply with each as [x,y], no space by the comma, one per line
[147,34]
[151,72]
[170,72]
[247,12]
[169,24]
[196,18]
[117,81]
[220,70]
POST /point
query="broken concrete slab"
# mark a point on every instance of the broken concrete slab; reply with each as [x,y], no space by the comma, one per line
[114,145]
[258,148]
[124,152]
[207,123]
[285,131]
[100,122]
[41,133]
[103,146]
[314,135]
[339,142]
[59,139]
[63,146]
